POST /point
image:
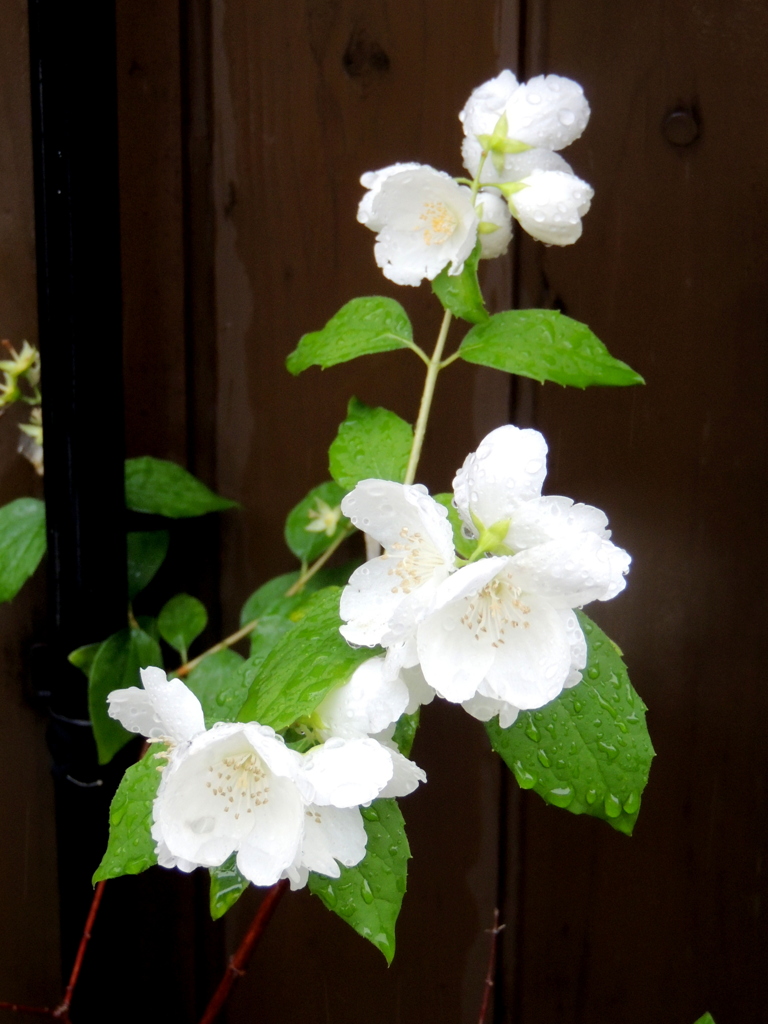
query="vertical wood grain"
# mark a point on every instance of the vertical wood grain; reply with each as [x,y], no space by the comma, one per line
[671,275]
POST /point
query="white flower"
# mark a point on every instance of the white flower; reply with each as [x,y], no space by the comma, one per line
[487,634]
[387,596]
[238,789]
[495,229]
[547,112]
[503,628]
[424,221]
[551,206]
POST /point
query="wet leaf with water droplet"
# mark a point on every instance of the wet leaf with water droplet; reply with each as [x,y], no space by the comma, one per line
[369,895]
[131,848]
[599,763]
[370,443]
[115,667]
[362,327]
[460,293]
[227,886]
[219,685]
[545,345]
[304,665]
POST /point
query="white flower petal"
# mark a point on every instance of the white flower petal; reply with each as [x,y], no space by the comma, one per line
[551,206]
[372,182]
[572,570]
[425,222]
[367,704]
[453,661]
[507,469]
[331,835]
[345,772]
[388,595]
[547,111]
[487,635]
[493,211]
[419,690]
[552,518]
[578,645]
[406,776]
[271,845]
[486,104]
[532,664]
[485,708]
[177,707]
[133,708]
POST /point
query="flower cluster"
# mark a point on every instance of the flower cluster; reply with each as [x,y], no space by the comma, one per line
[23,368]
[496,632]
[425,220]
[239,788]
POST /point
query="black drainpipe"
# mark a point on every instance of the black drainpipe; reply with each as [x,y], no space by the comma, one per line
[74,111]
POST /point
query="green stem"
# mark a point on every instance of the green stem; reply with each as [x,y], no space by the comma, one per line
[426,399]
[419,352]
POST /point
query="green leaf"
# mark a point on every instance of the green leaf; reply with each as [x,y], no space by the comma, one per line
[706,1019]
[146,553]
[362,327]
[588,750]
[303,666]
[218,684]
[461,293]
[405,732]
[182,620]
[320,508]
[115,667]
[22,543]
[370,443]
[166,489]
[368,897]
[149,624]
[545,345]
[464,546]
[227,886]
[83,657]
[131,848]
[270,597]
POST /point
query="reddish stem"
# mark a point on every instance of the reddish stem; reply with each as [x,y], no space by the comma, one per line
[240,960]
[489,976]
[62,1010]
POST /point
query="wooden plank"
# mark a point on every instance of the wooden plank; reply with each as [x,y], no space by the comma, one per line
[671,274]
[29,939]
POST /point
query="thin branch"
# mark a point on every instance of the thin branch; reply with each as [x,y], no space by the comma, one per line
[62,1010]
[489,976]
[426,399]
[239,961]
[243,632]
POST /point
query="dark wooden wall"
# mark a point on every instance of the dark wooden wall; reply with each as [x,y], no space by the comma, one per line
[244,129]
